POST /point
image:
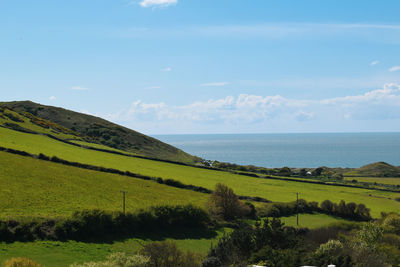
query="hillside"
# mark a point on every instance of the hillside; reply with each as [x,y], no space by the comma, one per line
[274,190]
[96,130]
[36,188]
[377,169]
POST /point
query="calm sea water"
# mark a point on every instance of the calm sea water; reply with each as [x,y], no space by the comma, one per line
[293,150]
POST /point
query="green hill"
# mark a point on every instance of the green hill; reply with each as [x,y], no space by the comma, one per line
[37,188]
[95,130]
[274,190]
[377,169]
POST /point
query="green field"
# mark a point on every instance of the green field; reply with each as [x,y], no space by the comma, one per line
[275,190]
[62,254]
[379,180]
[37,188]
[312,221]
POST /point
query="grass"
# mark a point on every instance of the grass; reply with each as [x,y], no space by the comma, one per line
[103,132]
[379,180]
[275,190]
[99,146]
[36,188]
[312,221]
[62,254]
[27,124]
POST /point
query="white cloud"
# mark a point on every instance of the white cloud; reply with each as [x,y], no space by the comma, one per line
[52,98]
[149,3]
[154,87]
[265,113]
[79,88]
[394,68]
[167,69]
[373,63]
[215,84]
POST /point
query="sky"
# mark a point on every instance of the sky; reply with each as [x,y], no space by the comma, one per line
[208,66]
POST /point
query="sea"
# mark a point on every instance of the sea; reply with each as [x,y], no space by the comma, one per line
[293,150]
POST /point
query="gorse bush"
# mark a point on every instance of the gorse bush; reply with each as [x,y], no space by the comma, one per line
[21,262]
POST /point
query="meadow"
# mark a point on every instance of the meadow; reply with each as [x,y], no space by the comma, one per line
[311,221]
[62,254]
[379,180]
[274,190]
[37,188]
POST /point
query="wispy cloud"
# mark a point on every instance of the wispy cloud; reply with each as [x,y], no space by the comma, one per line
[152,3]
[373,63]
[215,84]
[154,87]
[167,69]
[79,88]
[394,68]
[52,98]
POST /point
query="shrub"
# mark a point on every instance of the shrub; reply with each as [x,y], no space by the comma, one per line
[118,259]
[225,204]
[392,223]
[166,254]
[211,262]
[21,262]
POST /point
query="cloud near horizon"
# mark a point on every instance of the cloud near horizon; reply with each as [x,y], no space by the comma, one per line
[264,111]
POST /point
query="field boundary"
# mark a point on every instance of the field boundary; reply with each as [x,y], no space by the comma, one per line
[164,181]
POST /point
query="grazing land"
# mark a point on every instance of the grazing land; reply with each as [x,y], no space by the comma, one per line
[312,221]
[37,188]
[274,190]
[62,254]
[378,180]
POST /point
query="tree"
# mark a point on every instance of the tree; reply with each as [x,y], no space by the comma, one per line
[225,204]
[327,206]
[317,171]
[303,172]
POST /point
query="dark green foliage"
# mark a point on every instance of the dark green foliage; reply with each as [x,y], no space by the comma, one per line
[100,225]
[167,254]
[257,244]
[352,211]
[211,262]
[12,117]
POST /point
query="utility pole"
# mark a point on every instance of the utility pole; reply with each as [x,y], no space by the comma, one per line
[123,203]
[297,208]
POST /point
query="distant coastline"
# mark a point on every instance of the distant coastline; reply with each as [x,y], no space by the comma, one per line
[292,149]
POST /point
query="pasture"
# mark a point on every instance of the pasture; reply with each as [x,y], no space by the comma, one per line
[274,190]
[37,188]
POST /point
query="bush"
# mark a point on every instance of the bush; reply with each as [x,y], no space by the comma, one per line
[21,262]
[118,260]
[392,223]
[225,204]
[211,262]
[166,254]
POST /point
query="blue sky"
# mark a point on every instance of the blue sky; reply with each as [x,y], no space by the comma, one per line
[202,66]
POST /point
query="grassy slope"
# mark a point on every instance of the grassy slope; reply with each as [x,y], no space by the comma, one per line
[379,180]
[62,254]
[36,188]
[377,169]
[27,124]
[100,130]
[312,221]
[271,189]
